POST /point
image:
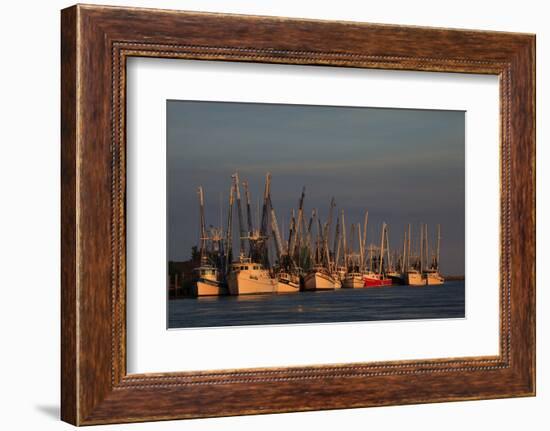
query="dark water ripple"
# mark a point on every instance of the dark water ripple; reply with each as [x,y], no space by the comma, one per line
[342,305]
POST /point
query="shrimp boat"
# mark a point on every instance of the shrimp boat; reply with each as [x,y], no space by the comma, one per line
[432,275]
[395,277]
[287,273]
[321,276]
[379,279]
[287,282]
[399,276]
[353,280]
[339,275]
[433,278]
[247,277]
[354,262]
[414,278]
[371,279]
[208,281]
[412,265]
[319,279]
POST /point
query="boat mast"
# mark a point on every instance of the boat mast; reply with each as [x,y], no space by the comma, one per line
[308,237]
[329,221]
[291,229]
[344,241]
[221,211]
[302,243]
[242,232]
[265,210]
[427,246]
[263,234]
[297,232]
[352,255]
[258,215]
[390,266]
[248,214]
[328,227]
[361,251]
[318,251]
[292,234]
[229,233]
[276,234]
[382,248]
[438,244]
[371,250]
[364,243]
[404,252]
[409,248]
[326,248]
[202,227]
[220,238]
[336,247]
[421,248]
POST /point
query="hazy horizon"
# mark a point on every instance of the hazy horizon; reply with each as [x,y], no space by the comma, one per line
[402,165]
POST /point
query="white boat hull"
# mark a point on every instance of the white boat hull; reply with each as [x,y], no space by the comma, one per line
[287,287]
[434,279]
[354,282]
[210,288]
[250,282]
[414,279]
[318,281]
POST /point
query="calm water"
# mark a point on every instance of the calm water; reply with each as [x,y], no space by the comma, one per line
[342,305]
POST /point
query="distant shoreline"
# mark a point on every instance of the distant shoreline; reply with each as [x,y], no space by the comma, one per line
[454,277]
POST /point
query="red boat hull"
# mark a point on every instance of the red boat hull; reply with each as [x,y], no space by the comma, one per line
[375,282]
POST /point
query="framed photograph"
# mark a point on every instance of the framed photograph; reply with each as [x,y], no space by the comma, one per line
[266,215]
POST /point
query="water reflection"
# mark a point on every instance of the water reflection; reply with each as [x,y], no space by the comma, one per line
[342,305]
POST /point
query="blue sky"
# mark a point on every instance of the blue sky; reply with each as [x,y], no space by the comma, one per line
[403,165]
